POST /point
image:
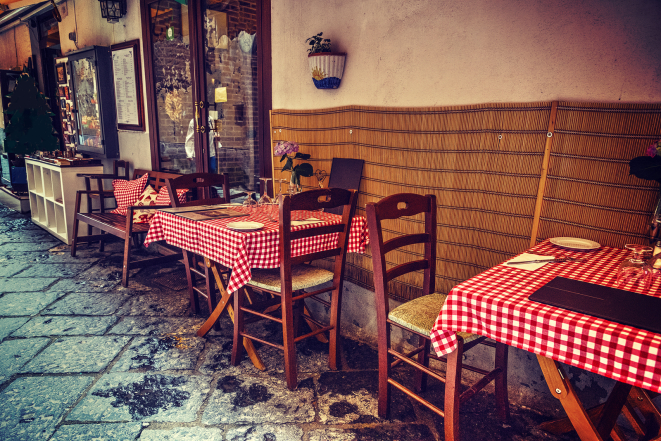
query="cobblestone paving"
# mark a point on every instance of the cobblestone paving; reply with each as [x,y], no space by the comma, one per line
[82,358]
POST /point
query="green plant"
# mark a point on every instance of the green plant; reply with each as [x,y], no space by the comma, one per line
[318,44]
[30,127]
[286,148]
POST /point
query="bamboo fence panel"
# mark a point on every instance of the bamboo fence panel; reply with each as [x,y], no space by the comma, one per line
[482,162]
[589,192]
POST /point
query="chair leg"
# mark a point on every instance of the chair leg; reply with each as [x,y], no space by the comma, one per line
[211,293]
[237,346]
[288,340]
[335,344]
[101,244]
[423,359]
[502,401]
[127,259]
[74,242]
[384,372]
[188,261]
[453,393]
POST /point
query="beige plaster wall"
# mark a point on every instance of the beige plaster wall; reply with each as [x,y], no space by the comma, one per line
[15,47]
[85,18]
[442,52]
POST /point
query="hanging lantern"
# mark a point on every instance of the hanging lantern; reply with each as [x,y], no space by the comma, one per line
[113,10]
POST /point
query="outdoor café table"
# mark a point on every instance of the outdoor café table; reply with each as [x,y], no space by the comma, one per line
[242,251]
[495,304]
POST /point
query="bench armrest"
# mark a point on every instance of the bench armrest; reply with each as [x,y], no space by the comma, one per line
[146,207]
[106,176]
[105,193]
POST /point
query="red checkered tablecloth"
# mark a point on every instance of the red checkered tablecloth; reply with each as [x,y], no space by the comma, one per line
[242,251]
[495,304]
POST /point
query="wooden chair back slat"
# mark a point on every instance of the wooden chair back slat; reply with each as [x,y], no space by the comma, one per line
[200,185]
[406,268]
[402,241]
[317,231]
[316,256]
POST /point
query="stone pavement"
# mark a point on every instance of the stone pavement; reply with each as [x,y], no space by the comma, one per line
[82,358]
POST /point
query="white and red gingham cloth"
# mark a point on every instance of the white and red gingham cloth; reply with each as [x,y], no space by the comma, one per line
[495,304]
[242,251]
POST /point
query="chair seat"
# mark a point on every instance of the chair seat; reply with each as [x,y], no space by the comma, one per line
[419,315]
[302,277]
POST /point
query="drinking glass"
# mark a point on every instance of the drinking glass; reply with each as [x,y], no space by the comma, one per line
[249,202]
[265,198]
[636,269]
[280,193]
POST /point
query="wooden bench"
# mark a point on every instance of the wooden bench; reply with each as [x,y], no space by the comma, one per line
[116,224]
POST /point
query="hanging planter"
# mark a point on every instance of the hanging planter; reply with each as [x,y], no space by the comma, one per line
[326,67]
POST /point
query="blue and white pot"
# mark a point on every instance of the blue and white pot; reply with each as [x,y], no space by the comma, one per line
[326,69]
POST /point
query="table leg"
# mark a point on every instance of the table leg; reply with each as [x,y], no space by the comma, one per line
[594,425]
[224,303]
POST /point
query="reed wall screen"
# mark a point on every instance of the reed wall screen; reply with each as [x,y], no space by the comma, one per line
[505,175]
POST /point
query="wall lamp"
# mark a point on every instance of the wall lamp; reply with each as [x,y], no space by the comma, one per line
[113,10]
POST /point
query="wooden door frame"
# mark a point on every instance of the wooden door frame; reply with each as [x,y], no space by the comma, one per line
[264,83]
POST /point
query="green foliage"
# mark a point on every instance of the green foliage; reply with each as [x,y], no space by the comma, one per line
[302,169]
[30,127]
[318,44]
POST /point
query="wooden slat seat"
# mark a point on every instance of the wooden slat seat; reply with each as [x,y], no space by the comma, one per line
[116,224]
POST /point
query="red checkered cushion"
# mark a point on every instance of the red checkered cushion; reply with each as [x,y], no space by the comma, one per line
[164,198]
[128,192]
[147,198]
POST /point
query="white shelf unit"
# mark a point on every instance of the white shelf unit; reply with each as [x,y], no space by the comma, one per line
[53,196]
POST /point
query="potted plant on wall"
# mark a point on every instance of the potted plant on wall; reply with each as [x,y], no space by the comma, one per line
[30,129]
[326,66]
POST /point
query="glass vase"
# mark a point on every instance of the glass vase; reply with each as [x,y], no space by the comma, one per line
[655,223]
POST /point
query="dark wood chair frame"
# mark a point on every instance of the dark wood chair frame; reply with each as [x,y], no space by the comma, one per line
[200,185]
[288,299]
[117,224]
[395,207]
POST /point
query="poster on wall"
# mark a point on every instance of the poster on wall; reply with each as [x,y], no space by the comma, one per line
[128,85]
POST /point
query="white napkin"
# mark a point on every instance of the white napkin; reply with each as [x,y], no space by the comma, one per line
[528,266]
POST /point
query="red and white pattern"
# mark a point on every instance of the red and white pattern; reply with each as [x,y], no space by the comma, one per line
[242,251]
[164,197]
[495,304]
[128,192]
[147,198]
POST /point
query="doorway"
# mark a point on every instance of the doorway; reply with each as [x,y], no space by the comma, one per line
[207,87]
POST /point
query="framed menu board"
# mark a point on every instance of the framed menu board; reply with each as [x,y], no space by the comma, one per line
[128,85]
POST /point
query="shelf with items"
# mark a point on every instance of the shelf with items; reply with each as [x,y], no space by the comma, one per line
[52,191]
[87,104]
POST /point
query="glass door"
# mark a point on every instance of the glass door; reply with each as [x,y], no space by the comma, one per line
[227,90]
[206,78]
[172,86]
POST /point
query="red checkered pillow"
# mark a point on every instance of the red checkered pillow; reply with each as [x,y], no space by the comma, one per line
[128,192]
[147,198]
[164,198]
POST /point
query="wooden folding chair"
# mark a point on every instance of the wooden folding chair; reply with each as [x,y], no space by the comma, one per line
[418,316]
[201,187]
[294,276]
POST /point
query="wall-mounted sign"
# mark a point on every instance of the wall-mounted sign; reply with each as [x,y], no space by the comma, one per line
[128,85]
